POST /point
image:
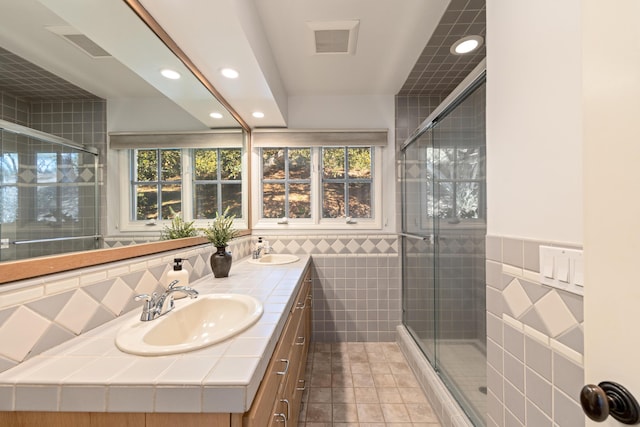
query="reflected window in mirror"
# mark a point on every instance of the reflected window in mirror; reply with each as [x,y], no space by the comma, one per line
[193,174]
[158,186]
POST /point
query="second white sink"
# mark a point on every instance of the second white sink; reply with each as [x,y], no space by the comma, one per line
[275,259]
[194,324]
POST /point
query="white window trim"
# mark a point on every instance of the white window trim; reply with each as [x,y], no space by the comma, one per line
[316,222]
[127,225]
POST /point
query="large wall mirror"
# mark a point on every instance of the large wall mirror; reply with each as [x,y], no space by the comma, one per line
[85,71]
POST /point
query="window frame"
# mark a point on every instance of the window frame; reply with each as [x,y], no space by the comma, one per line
[316,222]
[126,222]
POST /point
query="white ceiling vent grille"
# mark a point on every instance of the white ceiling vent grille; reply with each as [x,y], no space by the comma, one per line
[80,41]
[333,37]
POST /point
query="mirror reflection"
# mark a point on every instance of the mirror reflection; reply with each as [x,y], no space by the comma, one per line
[68,81]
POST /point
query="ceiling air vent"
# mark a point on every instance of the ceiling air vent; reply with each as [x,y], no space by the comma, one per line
[333,37]
[80,41]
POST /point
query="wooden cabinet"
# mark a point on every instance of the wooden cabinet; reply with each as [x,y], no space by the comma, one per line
[278,399]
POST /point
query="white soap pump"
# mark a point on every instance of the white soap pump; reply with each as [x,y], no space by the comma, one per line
[179,275]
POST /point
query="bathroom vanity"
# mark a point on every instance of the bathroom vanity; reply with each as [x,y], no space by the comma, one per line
[255,378]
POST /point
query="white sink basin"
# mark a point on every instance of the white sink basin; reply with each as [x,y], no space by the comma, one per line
[193,324]
[274,259]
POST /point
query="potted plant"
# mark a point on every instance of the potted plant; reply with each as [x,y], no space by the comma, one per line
[219,232]
[178,229]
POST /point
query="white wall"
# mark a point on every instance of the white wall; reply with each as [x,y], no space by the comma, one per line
[534,120]
[354,112]
[149,114]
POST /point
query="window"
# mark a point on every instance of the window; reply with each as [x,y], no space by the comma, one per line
[9,187]
[457,176]
[347,182]
[217,182]
[326,186]
[156,184]
[193,182]
[286,182]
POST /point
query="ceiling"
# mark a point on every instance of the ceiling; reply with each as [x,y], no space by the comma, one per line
[402,47]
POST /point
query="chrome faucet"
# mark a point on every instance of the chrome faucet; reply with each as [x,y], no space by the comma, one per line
[156,305]
[258,249]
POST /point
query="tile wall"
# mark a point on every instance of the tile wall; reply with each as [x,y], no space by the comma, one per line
[534,341]
[356,292]
[41,313]
[356,288]
[82,121]
[14,109]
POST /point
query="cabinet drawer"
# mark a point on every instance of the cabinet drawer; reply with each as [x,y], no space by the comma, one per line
[261,409]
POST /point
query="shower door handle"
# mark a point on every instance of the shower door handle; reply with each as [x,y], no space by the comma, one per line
[429,238]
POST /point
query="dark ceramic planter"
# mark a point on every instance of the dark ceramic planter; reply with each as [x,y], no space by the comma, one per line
[220,262]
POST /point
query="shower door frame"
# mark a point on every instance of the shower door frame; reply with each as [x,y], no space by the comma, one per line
[472,82]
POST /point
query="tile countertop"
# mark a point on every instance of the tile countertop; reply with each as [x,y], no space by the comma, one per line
[90,374]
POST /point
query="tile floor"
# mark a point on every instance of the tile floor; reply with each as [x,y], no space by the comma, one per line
[362,385]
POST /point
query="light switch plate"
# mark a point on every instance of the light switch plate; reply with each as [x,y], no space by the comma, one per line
[562,268]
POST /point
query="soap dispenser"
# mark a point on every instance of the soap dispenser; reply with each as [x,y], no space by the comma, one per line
[179,275]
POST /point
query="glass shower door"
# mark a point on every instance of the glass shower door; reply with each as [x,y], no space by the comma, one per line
[459,213]
[443,241]
[419,302]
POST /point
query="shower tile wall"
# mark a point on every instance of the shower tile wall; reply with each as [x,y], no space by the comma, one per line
[14,109]
[534,341]
[82,121]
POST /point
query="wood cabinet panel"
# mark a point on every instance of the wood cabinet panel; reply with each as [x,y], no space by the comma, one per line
[293,346]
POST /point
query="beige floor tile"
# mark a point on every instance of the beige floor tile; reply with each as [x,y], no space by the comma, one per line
[320,380]
[395,412]
[406,380]
[362,385]
[370,412]
[321,347]
[320,395]
[400,368]
[345,412]
[376,357]
[380,368]
[343,395]
[384,380]
[366,395]
[339,346]
[421,412]
[358,357]
[341,380]
[412,395]
[318,412]
[356,347]
[322,367]
[363,380]
[360,368]
[389,395]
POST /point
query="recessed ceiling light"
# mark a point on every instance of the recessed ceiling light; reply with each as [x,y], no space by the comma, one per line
[258,114]
[229,73]
[216,115]
[170,74]
[466,45]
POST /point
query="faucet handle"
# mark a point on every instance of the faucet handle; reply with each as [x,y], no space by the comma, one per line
[145,297]
[173,284]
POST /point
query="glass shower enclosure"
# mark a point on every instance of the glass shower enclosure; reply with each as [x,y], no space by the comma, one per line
[48,194]
[443,242]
